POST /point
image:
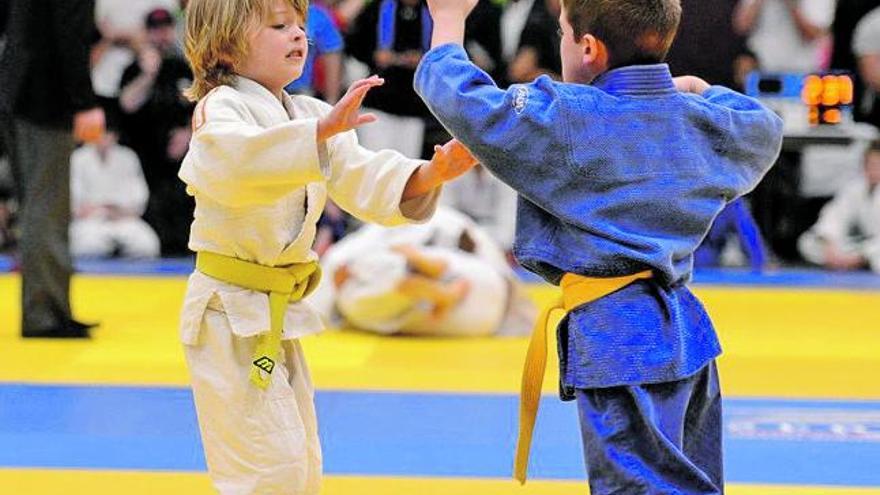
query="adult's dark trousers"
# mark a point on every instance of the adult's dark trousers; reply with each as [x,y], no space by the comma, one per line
[40,157]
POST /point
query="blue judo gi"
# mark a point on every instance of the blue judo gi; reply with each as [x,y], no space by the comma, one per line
[616,177]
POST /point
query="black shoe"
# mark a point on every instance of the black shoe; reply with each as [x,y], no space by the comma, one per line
[73,330]
[80,325]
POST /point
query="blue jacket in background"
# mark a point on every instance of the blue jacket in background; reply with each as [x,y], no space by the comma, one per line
[324,37]
[616,177]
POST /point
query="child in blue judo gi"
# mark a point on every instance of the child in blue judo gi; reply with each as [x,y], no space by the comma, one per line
[620,171]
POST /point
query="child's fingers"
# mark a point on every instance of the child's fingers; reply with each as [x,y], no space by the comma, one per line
[353,99]
[453,147]
[354,88]
[370,82]
[357,85]
[366,118]
[359,95]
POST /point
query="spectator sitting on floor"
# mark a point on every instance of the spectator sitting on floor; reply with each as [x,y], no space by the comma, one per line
[444,278]
[108,196]
[847,235]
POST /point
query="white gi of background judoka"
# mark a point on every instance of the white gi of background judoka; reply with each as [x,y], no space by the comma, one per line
[108,196]
[370,296]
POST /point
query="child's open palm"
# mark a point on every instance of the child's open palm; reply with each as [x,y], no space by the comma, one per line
[345,114]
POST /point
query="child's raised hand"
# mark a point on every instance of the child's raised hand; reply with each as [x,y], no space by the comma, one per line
[345,114]
[690,84]
[462,8]
[449,20]
[451,160]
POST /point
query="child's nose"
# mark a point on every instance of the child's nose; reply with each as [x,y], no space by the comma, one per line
[298,33]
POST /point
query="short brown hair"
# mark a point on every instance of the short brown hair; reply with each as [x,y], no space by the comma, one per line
[217,38]
[635,31]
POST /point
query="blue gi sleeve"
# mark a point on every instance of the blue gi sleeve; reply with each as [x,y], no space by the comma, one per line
[754,135]
[518,134]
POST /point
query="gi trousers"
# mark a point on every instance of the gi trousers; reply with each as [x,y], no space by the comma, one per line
[662,438]
[256,442]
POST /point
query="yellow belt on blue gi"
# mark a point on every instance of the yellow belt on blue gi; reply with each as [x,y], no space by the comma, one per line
[283,284]
[576,290]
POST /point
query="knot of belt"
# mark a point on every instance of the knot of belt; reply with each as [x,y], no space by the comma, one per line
[576,291]
[283,284]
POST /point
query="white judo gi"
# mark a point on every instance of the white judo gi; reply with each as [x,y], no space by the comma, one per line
[851,221]
[260,182]
[114,181]
[369,299]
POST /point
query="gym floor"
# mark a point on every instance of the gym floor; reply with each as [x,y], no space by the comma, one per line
[800,374]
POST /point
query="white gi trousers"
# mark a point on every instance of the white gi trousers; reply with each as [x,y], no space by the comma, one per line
[94,237]
[256,442]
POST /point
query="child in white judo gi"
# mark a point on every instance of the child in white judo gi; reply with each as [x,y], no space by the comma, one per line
[261,165]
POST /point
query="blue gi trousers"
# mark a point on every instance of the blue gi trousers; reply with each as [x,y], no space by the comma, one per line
[662,438]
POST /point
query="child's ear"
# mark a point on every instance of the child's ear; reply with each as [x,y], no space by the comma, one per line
[594,50]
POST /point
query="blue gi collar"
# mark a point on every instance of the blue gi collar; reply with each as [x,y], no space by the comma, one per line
[637,80]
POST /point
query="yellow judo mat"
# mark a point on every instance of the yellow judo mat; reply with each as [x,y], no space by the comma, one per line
[778,342]
[42,482]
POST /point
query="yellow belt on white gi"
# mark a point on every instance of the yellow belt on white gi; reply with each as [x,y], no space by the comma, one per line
[284,284]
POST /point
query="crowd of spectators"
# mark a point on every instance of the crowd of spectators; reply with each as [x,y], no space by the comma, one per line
[138,73]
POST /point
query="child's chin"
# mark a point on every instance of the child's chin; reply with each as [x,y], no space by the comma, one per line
[295,74]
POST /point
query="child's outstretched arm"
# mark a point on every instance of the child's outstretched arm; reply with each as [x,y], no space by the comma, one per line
[756,132]
[382,186]
[237,162]
[449,161]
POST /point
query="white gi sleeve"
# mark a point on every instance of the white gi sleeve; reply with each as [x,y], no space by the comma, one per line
[369,184]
